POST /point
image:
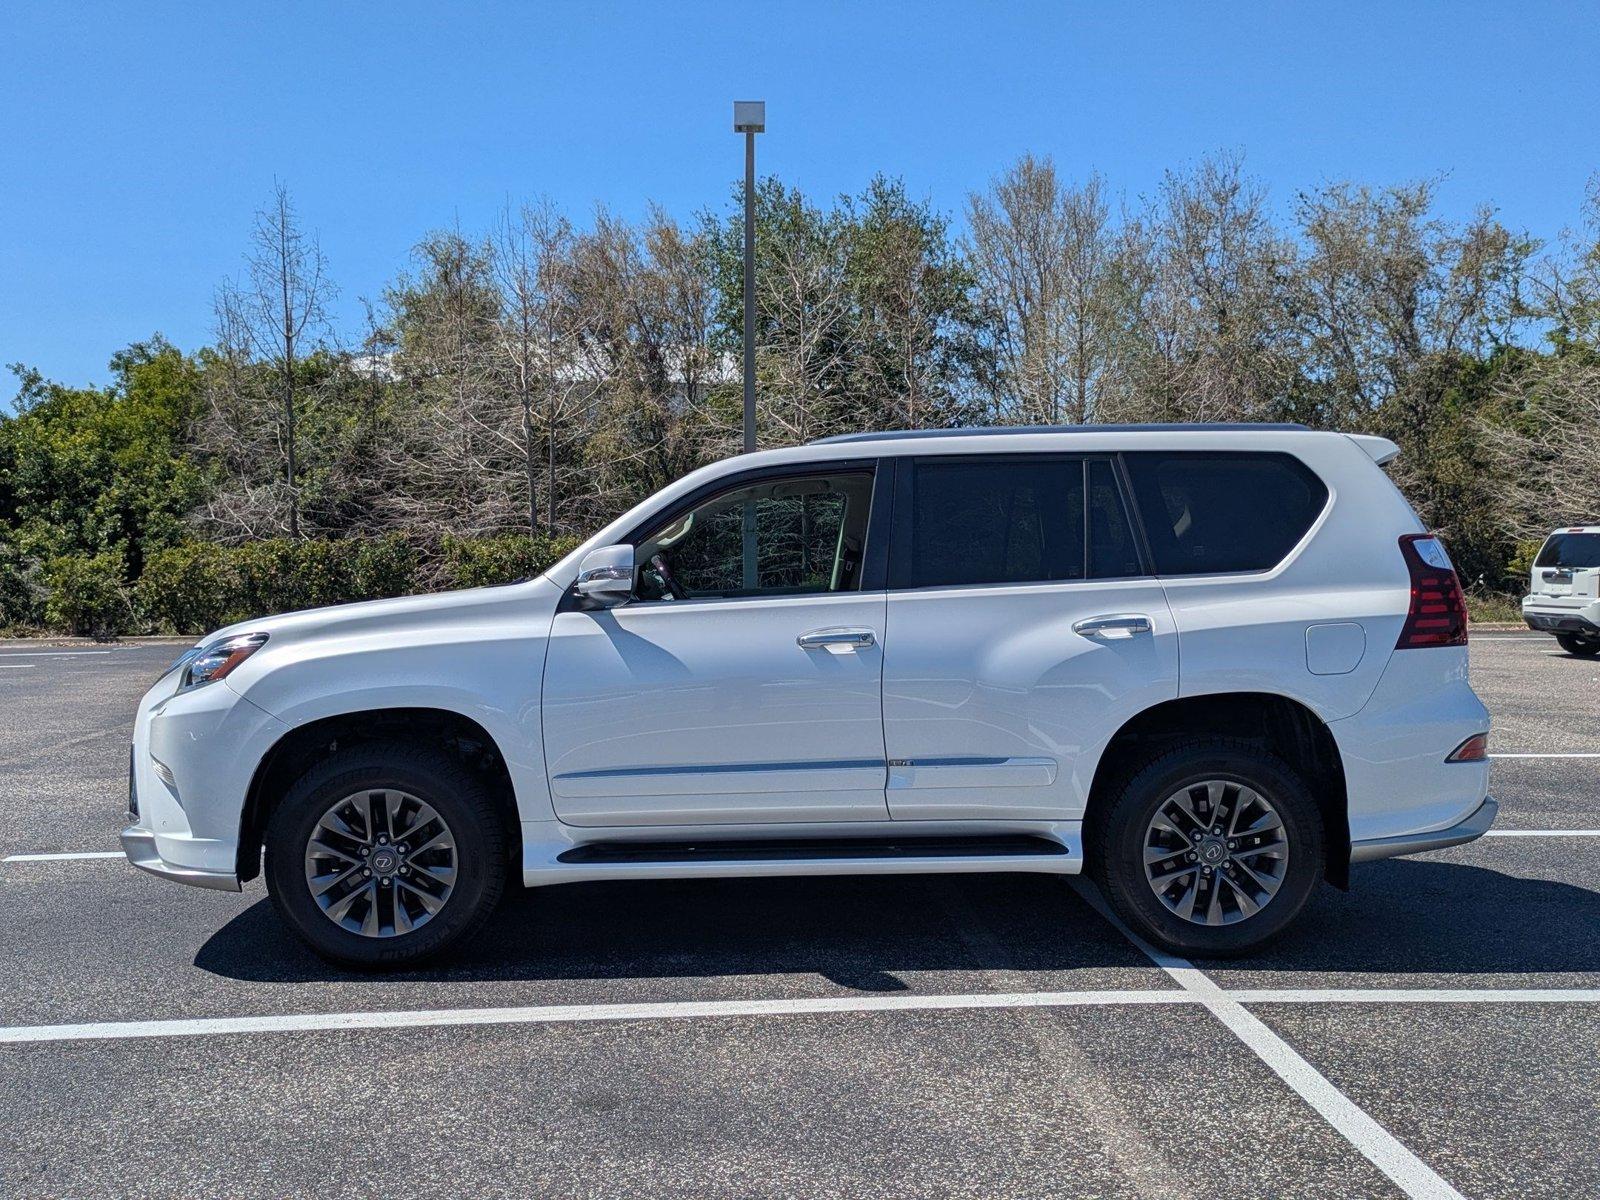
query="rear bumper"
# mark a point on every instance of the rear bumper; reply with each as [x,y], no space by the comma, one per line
[1469,829]
[1554,620]
[140,847]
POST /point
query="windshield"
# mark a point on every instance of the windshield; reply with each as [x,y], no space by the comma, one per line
[1576,550]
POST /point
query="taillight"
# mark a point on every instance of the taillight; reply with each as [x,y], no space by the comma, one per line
[1438,612]
[1474,749]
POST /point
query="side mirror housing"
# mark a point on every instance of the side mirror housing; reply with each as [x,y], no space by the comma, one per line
[606,575]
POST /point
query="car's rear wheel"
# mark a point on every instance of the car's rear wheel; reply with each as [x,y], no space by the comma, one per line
[1211,849]
[385,854]
[1573,644]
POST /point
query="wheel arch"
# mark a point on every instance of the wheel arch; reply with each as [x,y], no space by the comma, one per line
[1278,723]
[303,746]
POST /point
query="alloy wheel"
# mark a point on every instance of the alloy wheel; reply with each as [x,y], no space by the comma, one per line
[1215,852]
[381,863]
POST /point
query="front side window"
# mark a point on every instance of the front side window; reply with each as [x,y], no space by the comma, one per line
[1574,551]
[788,536]
[1206,512]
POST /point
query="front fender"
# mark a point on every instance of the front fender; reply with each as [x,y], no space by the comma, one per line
[492,681]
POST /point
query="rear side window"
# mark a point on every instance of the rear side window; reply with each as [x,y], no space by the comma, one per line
[1578,551]
[1207,512]
[1019,519]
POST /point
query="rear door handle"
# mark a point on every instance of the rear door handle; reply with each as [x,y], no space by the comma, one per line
[849,639]
[1112,627]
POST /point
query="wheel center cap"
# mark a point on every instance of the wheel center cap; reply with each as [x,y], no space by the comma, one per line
[385,861]
[1213,851]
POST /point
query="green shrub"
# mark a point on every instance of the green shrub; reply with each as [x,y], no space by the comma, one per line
[382,567]
[196,587]
[192,588]
[22,593]
[87,596]
[1520,568]
[500,558]
[282,575]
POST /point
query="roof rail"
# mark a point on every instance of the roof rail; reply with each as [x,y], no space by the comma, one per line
[897,435]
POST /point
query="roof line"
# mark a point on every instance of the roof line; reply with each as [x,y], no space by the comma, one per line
[897,435]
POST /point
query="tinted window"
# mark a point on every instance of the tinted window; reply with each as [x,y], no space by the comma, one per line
[998,521]
[1207,512]
[1112,553]
[1577,550]
[807,535]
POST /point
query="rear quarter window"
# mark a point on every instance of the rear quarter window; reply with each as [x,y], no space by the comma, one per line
[1206,512]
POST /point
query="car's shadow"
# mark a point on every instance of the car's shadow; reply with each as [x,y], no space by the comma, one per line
[1410,917]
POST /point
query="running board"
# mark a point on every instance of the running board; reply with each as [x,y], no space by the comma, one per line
[795,850]
[904,855]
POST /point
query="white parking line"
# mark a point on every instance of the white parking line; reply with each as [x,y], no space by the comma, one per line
[1579,754]
[1380,1147]
[1197,989]
[50,653]
[549,1014]
[63,857]
[1543,833]
[16,666]
[1415,995]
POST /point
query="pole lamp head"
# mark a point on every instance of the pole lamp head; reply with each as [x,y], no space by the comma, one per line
[749,116]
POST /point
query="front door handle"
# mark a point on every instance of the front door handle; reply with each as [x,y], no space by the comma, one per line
[1113,627]
[847,639]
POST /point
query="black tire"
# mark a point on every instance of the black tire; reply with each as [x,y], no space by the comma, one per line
[1118,836]
[1573,644]
[458,797]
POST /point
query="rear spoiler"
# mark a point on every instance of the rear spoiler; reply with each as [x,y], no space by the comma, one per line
[1380,450]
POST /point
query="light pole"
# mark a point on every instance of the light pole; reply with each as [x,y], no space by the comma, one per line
[749,118]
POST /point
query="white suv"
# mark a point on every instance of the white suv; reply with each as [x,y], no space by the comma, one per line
[1211,665]
[1564,596]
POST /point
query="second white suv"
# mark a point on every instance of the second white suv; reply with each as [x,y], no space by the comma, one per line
[1211,665]
[1564,595]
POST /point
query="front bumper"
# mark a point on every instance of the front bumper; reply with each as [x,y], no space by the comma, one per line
[140,847]
[1469,829]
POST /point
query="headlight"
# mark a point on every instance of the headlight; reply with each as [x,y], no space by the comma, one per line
[216,661]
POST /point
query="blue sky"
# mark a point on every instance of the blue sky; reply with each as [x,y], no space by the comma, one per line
[136,140]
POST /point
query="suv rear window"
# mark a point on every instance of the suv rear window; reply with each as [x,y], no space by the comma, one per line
[1577,550]
[1018,519]
[1208,512]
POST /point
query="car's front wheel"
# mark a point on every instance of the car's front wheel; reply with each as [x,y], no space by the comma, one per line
[1211,849]
[385,854]
[1573,644]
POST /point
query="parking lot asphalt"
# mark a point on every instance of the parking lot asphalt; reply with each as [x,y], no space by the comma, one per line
[1434,1031]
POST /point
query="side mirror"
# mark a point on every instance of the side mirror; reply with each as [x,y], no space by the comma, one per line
[606,575]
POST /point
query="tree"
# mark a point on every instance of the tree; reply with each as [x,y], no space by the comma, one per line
[1204,277]
[452,468]
[918,325]
[280,305]
[530,259]
[1043,256]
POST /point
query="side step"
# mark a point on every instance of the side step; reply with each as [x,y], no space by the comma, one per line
[813,850]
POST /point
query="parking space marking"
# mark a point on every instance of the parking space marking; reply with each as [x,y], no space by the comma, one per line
[16,666]
[1376,1144]
[63,856]
[51,653]
[1415,995]
[1581,833]
[1579,754]
[553,1014]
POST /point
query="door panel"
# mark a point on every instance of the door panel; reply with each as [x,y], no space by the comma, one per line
[1023,632]
[710,711]
[994,708]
